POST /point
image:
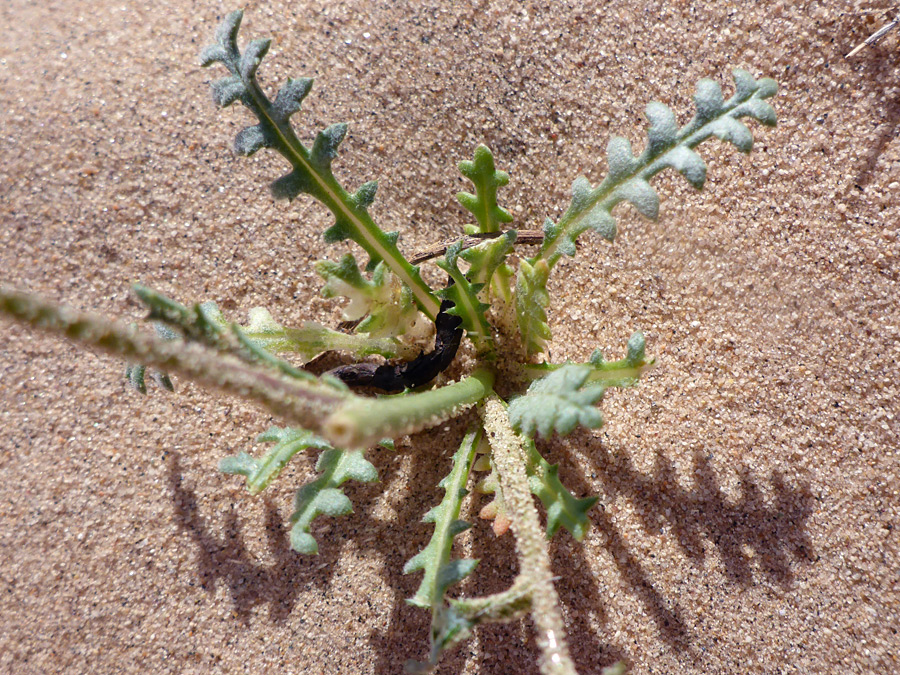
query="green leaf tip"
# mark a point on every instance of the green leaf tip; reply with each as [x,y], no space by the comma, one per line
[636,348]
[225,49]
[486,179]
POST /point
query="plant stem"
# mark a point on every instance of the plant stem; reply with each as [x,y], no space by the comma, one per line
[306,404]
[508,605]
[509,459]
[361,422]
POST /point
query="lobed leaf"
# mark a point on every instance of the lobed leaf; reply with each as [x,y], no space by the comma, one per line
[464,296]
[310,167]
[440,571]
[487,266]
[495,510]
[262,337]
[558,402]
[261,472]
[668,146]
[386,308]
[486,179]
[228,90]
[323,496]
[290,97]
[532,300]
[562,507]
[623,373]
[308,403]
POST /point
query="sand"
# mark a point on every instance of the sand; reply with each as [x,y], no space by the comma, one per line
[748,486]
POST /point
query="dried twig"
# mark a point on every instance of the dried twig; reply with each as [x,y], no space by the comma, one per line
[875,37]
[524,237]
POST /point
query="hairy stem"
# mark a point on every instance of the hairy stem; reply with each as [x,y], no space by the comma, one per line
[363,421]
[509,460]
[306,404]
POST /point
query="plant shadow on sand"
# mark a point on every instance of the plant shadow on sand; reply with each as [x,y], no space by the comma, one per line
[773,528]
[226,558]
[753,534]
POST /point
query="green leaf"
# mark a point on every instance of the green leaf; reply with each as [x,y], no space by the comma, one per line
[228,90]
[449,627]
[623,373]
[310,167]
[386,307]
[199,323]
[262,337]
[668,146]
[453,622]
[440,571]
[464,296]
[487,266]
[562,507]
[260,473]
[558,402]
[532,300]
[483,204]
[136,373]
[322,496]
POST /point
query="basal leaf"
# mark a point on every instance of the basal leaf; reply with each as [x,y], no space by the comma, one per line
[668,146]
[440,571]
[261,472]
[310,167]
[532,301]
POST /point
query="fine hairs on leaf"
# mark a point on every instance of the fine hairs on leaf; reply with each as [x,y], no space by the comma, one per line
[493,307]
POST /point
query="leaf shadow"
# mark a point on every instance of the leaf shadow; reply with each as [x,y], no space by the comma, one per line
[226,558]
[770,532]
[775,531]
[578,590]
[664,611]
